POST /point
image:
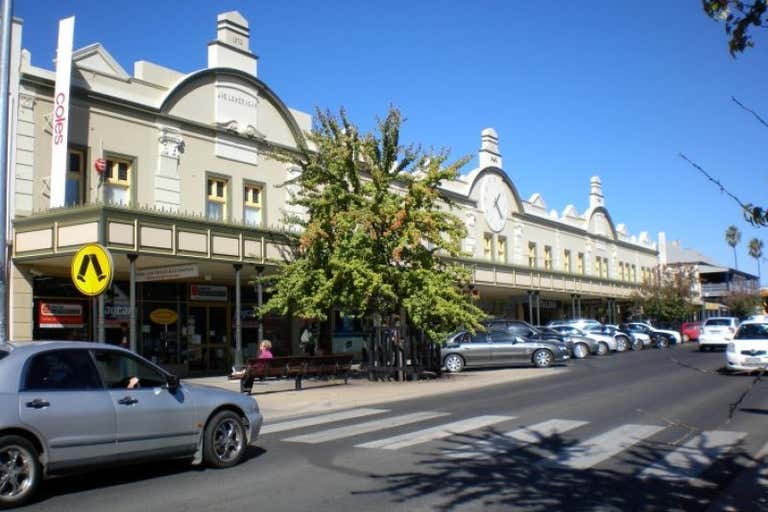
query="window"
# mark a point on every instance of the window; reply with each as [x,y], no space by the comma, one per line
[567,261]
[488,246]
[216,207]
[598,266]
[548,257]
[117,369]
[252,205]
[532,254]
[61,370]
[74,186]
[634,274]
[605,268]
[621,270]
[117,178]
[501,249]
[580,269]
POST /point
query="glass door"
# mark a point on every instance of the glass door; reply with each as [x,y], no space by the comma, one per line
[208,334]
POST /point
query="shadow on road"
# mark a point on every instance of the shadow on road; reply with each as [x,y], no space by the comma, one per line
[490,471]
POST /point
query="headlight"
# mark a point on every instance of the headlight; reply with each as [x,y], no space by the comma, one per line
[731,347]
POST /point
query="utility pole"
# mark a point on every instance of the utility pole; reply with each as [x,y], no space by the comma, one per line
[5,79]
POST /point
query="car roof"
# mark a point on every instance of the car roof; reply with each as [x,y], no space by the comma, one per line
[752,322]
[722,318]
[31,347]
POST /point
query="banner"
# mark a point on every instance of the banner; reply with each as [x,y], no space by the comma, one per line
[60,315]
[208,292]
[60,117]
[166,273]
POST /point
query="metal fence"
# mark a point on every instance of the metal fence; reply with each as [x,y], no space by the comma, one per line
[390,356]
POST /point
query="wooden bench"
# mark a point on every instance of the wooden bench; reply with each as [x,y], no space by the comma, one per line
[295,367]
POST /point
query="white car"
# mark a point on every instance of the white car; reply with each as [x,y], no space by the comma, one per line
[672,336]
[748,351]
[605,342]
[717,332]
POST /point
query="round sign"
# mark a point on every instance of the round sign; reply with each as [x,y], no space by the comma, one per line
[92,269]
[100,164]
[163,316]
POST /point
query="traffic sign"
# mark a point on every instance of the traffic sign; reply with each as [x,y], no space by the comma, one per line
[92,269]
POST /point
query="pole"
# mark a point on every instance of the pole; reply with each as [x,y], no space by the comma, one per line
[530,306]
[132,302]
[260,299]
[538,308]
[5,80]
[238,324]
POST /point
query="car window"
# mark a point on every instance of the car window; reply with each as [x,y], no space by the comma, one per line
[502,337]
[61,370]
[118,368]
[752,332]
[479,337]
[718,321]
[3,353]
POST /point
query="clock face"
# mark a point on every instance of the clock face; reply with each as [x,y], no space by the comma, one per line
[494,202]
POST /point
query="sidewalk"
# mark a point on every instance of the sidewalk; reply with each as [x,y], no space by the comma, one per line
[278,400]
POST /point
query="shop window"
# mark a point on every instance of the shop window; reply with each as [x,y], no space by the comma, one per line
[252,205]
[567,261]
[75,184]
[547,257]
[117,181]
[532,254]
[488,246]
[216,207]
[501,249]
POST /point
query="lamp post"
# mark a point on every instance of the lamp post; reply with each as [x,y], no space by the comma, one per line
[259,298]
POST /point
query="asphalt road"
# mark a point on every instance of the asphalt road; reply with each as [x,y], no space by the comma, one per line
[649,430]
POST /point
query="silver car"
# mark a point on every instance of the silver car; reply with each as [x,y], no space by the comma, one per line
[499,348]
[68,406]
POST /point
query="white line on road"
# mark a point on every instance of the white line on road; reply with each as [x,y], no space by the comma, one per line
[439,432]
[319,420]
[363,428]
[693,457]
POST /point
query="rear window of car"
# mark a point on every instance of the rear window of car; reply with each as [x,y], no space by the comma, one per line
[752,332]
[3,353]
[717,321]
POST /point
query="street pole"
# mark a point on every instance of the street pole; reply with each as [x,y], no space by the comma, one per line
[5,79]
[132,300]
[238,321]
[260,299]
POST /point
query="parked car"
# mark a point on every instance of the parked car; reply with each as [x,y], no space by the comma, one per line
[690,331]
[649,336]
[623,340]
[637,340]
[717,332]
[605,342]
[579,346]
[748,351]
[579,323]
[499,348]
[670,336]
[70,406]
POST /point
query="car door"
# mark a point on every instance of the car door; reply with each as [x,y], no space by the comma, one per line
[476,349]
[507,348]
[150,419]
[62,398]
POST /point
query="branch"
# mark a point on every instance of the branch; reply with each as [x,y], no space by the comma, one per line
[715,181]
[757,116]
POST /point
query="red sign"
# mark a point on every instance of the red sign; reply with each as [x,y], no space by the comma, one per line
[53,315]
[100,165]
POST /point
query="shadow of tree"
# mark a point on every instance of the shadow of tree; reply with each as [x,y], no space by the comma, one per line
[490,470]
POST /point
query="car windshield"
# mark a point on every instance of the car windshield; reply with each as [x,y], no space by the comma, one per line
[752,332]
[717,321]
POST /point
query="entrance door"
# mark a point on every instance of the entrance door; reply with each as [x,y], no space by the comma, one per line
[208,333]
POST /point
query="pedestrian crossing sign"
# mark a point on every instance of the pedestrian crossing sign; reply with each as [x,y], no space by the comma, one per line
[92,269]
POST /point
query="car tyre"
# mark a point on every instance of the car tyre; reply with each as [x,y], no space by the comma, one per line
[637,344]
[224,441]
[602,348]
[662,342]
[20,471]
[580,350]
[543,358]
[703,348]
[622,344]
[454,363]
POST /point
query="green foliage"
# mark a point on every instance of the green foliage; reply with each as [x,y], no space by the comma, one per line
[739,17]
[667,296]
[377,233]
[742,304]
[732,238]
[756,251]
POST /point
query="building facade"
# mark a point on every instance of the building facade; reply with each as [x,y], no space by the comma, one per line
[172,173]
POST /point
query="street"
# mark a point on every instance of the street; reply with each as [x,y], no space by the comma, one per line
[646,430]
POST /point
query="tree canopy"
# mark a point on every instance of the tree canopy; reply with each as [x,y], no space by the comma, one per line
[377,236]
[739,17]
[668,295]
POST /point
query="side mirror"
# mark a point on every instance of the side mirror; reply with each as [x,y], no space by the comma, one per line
[173,384]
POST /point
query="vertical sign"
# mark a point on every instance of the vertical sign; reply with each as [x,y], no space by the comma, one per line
[59,156]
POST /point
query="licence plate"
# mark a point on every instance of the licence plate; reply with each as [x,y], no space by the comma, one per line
[753,360]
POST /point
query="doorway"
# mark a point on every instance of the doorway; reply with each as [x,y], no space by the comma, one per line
[208,334]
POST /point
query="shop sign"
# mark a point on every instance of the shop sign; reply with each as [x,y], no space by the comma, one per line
[208,292]
[53,315]
[167,273]
[163,316]
[92,270]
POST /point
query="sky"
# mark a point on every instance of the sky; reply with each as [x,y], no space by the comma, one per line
[574,89]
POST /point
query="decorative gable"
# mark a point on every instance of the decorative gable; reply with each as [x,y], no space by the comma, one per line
[95,58]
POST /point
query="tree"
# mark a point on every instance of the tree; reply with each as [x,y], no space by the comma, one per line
[756,251]
[739,17]
[668,295]
[732,238]
[742,304]
[377,236]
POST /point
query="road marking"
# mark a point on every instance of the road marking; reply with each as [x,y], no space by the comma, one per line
[693,457]
[515,439]
[319,420]
[439,432]
[599,448]
[363,428]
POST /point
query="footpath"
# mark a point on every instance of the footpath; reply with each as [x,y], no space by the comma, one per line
[277,399]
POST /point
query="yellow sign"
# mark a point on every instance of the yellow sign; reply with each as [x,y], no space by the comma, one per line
[92,269]
[163,316]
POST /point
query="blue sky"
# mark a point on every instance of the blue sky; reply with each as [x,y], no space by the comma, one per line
[615,89]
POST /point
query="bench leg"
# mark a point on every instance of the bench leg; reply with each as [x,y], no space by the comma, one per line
[246,385]
[346,377]
[298,383]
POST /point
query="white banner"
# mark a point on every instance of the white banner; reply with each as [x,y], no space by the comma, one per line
[166,273]
[60,121]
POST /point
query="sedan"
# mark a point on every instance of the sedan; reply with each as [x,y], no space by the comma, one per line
[580,346]
[499,348]
[605,342]
[70,406]
[748,351]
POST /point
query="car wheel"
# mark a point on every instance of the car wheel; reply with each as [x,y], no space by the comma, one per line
[224,443]
[622,344]
[637,344]
[703,348]
[20,471]
[454,363]
[602,348]
[542,358]
[662,342]
[580,351]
